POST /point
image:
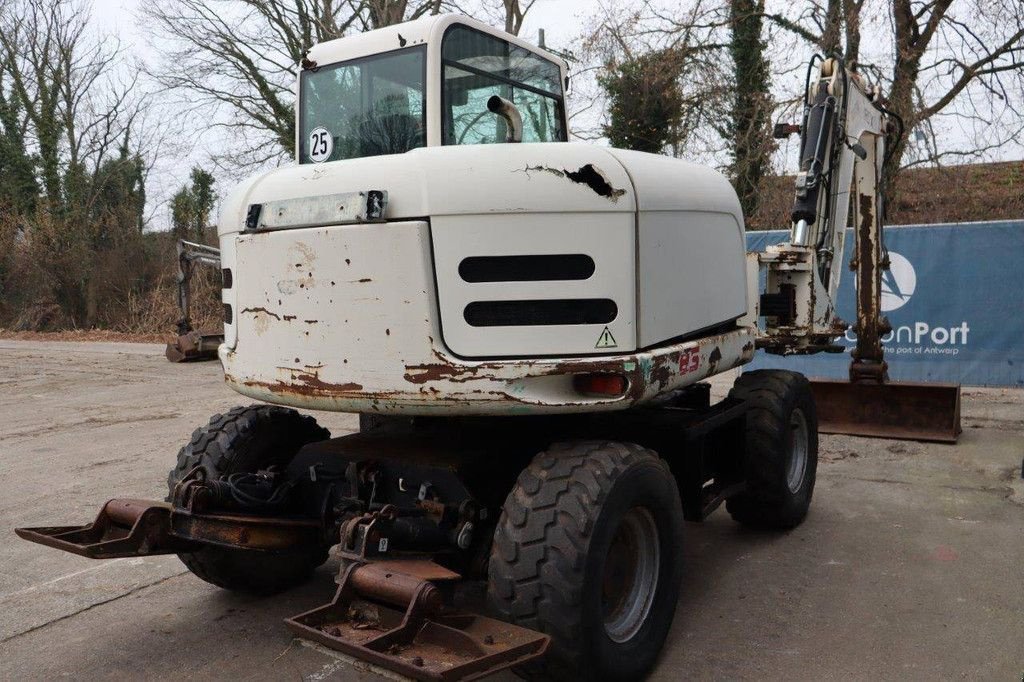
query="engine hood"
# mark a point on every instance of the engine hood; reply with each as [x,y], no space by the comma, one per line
[464,180]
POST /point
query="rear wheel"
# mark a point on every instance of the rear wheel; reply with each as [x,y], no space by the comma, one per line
[247,439]
[587,550]
[781,449]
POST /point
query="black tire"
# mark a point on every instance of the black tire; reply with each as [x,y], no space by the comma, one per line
[248,439]
[782,415]
[552,547]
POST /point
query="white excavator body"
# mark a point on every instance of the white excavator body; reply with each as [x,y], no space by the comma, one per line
[457,276]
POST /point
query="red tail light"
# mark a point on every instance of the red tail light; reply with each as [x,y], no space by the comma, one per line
[603,385]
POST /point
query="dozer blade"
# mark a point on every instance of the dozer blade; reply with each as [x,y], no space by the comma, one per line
[391,614]
[898,410]
[193,346]
[123,528]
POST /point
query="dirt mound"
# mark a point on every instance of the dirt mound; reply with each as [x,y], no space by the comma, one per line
[954,194]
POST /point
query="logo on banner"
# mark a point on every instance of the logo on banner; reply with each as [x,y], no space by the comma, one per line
[898,282]
[917,337]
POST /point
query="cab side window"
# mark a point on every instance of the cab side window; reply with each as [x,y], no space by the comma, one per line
[475,67]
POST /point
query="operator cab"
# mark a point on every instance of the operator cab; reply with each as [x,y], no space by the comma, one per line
[358,99]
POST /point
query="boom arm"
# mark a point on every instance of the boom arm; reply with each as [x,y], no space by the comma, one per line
[190,344]
[842,146]
[188,254]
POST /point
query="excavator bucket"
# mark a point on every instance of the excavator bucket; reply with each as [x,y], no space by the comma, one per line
[896,409]
[190,345]
[193,346]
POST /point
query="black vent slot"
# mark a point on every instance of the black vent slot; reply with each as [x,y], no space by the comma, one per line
[228,314]
[547,312]
[226,278]
[781,306]
[540,268]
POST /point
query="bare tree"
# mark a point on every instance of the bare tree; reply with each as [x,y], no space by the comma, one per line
[692,36]
[78,105]
[750,113]
[380,13]
[83,120]
[960,60]
[509,14]
[515,13]
[824,24]
[235,62]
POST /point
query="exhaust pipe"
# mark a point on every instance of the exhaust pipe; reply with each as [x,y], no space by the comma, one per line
[508,111]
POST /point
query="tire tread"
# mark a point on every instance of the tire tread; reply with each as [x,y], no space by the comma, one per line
[768,391]
[539,550]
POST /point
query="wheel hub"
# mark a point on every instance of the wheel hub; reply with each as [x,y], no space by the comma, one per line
[630,578]
[797,465]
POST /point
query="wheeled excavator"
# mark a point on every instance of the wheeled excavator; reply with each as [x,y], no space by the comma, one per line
[524,325]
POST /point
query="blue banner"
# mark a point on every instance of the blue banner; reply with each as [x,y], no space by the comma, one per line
[954,296]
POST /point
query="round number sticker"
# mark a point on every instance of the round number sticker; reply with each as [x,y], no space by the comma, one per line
[321,144]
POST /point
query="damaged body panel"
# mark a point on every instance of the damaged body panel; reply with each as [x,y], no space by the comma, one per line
[322,330]
[482,308]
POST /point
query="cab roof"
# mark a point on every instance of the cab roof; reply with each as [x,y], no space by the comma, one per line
[421,31]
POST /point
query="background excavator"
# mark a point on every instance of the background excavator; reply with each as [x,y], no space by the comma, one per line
[192,344]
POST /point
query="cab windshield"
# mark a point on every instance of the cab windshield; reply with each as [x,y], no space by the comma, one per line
[364,107]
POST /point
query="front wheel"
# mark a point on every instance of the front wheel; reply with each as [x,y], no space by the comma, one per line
[588,551]
[781,449]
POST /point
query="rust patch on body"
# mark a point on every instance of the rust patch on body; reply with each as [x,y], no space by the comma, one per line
[308,252]
[309,378]
[261,318]
[661,372]
[713,359]
[264,311]
[305,382]
[421,374]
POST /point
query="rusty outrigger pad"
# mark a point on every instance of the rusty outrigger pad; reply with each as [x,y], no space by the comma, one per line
[193,346]
[123,528]
[893,409]
[387,614]
[128,528]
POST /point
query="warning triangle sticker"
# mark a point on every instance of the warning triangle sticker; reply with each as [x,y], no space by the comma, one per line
[606,340]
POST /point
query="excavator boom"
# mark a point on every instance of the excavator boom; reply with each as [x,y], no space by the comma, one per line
[842,158]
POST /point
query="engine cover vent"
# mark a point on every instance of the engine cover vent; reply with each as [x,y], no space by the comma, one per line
[541,312]
[529,268]
[537,284]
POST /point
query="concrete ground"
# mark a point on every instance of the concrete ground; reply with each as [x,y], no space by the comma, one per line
[910,566]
